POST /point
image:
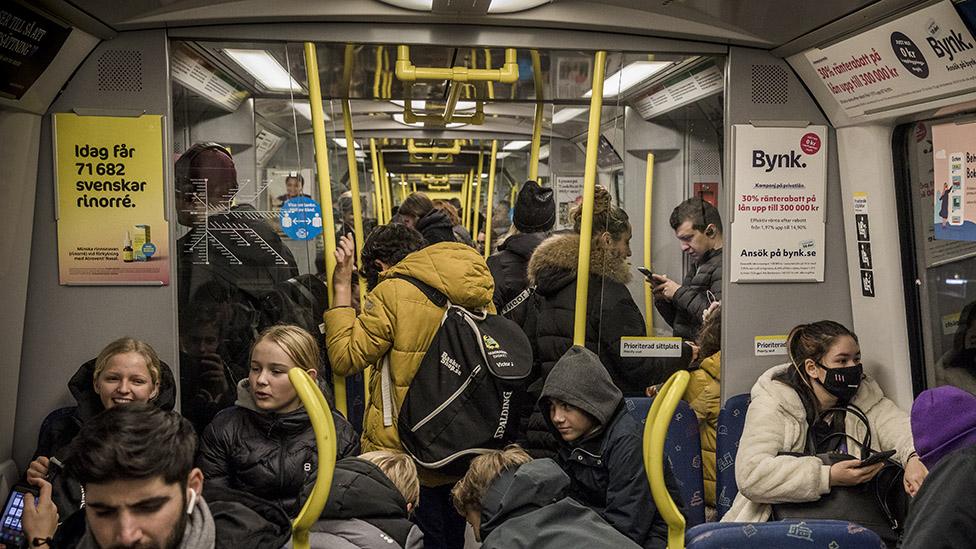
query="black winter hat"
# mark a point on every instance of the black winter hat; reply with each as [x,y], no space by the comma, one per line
[535,209]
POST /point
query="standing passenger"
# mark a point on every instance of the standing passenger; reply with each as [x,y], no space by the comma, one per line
[417,211]
[698,228]
[600,448]
[265,445]
[535,214]
[398,323]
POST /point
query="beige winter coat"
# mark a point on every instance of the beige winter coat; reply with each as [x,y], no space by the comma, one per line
[776,422]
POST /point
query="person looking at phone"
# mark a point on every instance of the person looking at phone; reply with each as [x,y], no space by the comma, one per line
[824,372]
[698,227]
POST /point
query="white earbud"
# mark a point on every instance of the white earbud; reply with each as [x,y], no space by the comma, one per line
[192,503]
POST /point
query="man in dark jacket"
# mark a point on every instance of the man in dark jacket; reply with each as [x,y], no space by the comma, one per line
[515,503]
[601,449]
[535,214]
[136,464]
[698,227]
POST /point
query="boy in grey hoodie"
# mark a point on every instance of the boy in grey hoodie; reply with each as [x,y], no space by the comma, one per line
[600,447]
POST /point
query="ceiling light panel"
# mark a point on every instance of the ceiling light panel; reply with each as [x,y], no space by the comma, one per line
[265,68]
[516,145]
[629,76]
[512,6]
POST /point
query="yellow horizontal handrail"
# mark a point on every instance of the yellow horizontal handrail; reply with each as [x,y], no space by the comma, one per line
[405,70]
[655,432]
[413,148]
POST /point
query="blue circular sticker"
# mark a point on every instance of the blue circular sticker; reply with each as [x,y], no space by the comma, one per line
[301,218]
[148,250]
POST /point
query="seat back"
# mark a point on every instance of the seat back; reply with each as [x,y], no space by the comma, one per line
[731,421]
[683,450]
[782,535]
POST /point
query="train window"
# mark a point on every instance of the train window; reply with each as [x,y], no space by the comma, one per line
[251,251]
[944,259]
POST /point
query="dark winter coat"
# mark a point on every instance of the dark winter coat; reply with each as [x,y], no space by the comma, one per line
[364,511]
[939,516]
[271,456]
[606,467]
[61,426]
[527,508]
[510,266]
[436,227]
[684,312]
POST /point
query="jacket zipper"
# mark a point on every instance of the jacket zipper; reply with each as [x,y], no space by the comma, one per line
[446,403]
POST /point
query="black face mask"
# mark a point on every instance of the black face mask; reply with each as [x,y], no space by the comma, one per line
[843,383]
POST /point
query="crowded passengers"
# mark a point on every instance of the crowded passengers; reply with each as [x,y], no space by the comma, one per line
[122,469]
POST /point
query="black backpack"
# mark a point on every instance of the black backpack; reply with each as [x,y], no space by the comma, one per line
[468,390]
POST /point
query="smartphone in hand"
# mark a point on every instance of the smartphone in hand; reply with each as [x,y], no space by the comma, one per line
[11,528]
[648,274]
[876,457]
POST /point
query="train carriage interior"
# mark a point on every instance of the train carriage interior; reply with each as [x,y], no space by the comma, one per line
[311,103]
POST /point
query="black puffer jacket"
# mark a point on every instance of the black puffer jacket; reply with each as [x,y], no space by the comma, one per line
[436,227]
[268,455]
[61,426]
[606,467]
[510,266]
[684,311]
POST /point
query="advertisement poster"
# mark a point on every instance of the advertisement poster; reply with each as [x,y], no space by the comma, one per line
[110,208]
[680,90]
[778,225]
[954,191]
[922,165]
[29,42]
[925,54]
[569,193]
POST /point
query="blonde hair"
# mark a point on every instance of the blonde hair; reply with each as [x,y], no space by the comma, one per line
[298,344]
[130,345]
[401,471]
[484,469]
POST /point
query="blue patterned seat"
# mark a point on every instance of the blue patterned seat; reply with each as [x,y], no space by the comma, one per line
[731,421]
[782,535]
[683,449]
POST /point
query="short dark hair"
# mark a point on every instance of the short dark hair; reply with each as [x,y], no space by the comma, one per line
[390,244]
[133,442]
[700,212]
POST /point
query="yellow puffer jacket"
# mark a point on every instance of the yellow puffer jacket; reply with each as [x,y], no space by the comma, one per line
[397,318]
[704,394]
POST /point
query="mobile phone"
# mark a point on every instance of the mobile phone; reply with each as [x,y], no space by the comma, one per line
[876,457]
[647,273]
[11,528]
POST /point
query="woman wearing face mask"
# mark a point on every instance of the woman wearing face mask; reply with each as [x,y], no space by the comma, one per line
[825,372]
[265,444]
[126,370]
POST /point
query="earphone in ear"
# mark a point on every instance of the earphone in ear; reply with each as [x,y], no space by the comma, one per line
[710,231]
[192,503]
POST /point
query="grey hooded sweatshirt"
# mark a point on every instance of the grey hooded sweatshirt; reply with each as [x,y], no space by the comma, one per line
[526,508]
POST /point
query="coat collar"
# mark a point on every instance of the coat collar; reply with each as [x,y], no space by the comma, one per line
[559,254]
[868,395]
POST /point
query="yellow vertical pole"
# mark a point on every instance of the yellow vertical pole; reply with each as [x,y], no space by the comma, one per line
[491,85]
[377,199]
[469,183]
[589,186]
[477,199]
[537,123]
[325,190]
[648,202]
[403,188]
[414,188]
[464,200]
[387,195]
[490,198]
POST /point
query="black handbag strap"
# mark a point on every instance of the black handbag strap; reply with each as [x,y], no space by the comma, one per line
[851,409]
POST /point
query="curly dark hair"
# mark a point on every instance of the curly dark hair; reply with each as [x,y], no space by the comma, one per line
[389,244]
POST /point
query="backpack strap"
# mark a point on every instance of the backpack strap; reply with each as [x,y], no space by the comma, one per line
[386,387]
[517,300]
[436,296]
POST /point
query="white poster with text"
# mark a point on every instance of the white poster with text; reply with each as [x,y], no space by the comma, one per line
[778,217]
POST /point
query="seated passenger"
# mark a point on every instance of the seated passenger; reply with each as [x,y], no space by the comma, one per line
[704,393]
[136,464]
[944,425]
[535,214]
[513,502]
[369,505]
[398,322]
[265,444]
[600,447]
[417,212]
[824,371]
[126,370]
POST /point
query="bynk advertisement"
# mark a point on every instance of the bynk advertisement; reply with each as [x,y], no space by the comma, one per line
[954,192]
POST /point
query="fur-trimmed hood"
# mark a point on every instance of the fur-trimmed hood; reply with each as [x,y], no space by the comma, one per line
[555,261]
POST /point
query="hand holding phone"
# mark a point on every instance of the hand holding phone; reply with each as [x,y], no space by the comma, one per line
[648,274]
[876,457]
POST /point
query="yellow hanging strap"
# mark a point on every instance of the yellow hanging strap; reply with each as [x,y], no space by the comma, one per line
[490,197]
[648,202]
[537,122]
[477,199]
[325,191]
[655,432]
[325,446]
[589,186]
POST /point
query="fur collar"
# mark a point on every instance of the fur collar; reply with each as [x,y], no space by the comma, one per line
[561,253]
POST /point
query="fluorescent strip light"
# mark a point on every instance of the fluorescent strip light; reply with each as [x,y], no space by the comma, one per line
[629,76]
[543,152]
[512,6]
[341,142]
[304,109]
[263,66]
[417,5]
[565,115]
[503,155]
[516,145]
